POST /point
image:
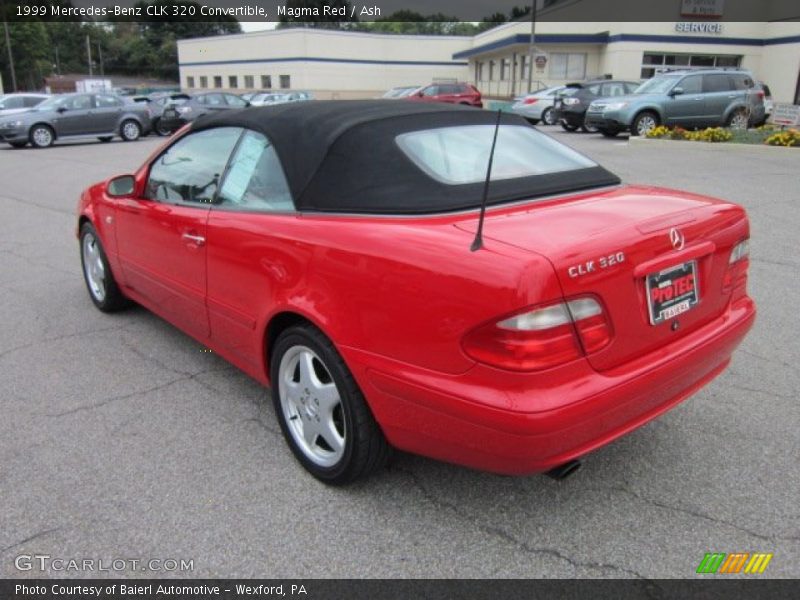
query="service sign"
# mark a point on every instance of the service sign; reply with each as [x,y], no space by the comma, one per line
[786,114]
[702,8]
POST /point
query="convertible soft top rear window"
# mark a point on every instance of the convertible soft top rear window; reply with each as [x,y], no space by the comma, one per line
[456,155]
[347,156]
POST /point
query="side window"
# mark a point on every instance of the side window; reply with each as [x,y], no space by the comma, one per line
[594,89]
[106,101]
[613,89]
[691,84]
[431,90]
[214,100]
[78,103]
[716,83]
[235,101]
[255,179]
[190,169]
[13,102]
[631,87]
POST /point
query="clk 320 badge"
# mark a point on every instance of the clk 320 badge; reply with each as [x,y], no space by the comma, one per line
[591,266]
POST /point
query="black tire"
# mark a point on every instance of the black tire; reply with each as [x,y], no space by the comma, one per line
[567,127]
[739,115]
[532,121]
[160,129]
[130,130]
[547,116]
[106,138]
[609,133]
[365,449]
[41,136]
[588,128]
[112,299]
[18,144]
[637,127]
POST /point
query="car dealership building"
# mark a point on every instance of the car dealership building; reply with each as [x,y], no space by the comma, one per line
[341,64]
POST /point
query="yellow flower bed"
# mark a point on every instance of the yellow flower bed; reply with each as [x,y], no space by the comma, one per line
[788,138]
[711,134]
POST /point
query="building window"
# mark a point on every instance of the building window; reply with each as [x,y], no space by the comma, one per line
[286,82]
[570,66]
[190,82]
[218,81]
[478,66]
[233,82]
[654,63]
[248,82]
[266,82]
[504,69]
[523,67]
[491,70]
[203,81]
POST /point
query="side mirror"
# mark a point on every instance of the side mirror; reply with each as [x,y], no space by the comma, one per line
[61,109]
[676,91]
[121,186]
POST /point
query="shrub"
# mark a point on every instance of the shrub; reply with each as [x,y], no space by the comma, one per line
[789,138]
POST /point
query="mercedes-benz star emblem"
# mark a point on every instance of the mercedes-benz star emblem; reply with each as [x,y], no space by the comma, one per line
[676,237]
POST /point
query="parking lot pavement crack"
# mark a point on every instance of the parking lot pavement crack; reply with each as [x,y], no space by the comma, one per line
[780,263]
[755,390]
[262,425]
[699,515]
[59,338]
[507,537]
[37,205]
[776,361]
[35,536]
[152,359]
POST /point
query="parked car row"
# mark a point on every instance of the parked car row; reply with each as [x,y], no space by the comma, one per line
[688,98]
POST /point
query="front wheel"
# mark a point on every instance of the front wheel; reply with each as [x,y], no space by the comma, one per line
[130,131]
[18,144]
[322,412]
[42,136]
[643,123]
[738,120]
[589,128]
[549,116]
[97,274]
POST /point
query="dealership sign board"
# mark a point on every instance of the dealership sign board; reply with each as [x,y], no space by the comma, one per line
[702,8]
[786,114]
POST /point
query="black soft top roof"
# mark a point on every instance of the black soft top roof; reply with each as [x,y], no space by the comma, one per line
[341,156]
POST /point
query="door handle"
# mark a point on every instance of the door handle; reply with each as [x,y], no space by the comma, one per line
[197,239]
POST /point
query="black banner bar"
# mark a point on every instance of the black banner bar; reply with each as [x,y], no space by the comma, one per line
[370,589]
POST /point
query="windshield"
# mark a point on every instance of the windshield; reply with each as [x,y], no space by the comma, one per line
[458,155]
[52,103]
[657,85]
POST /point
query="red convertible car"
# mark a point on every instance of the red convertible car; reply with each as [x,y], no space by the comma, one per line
[340,253]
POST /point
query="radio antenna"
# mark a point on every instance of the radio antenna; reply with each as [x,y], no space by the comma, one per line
[477,243]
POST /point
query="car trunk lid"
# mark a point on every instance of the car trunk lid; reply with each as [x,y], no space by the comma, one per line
[605,245]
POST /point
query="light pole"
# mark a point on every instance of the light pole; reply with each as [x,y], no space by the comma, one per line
[532,48]
[8,47]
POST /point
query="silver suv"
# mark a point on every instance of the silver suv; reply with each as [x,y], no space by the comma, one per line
[694,98]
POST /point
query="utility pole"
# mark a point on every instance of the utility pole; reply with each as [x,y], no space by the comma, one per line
[8,47]
[532,48]
[100,58]
[89,55]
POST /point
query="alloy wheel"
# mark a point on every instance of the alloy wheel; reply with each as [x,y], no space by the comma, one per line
[311,406]
[93,267]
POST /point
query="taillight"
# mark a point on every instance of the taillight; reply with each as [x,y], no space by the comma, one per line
[530,100]
[542,337]
[735,278]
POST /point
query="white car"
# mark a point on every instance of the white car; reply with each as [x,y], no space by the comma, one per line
[11,104]
[538,106]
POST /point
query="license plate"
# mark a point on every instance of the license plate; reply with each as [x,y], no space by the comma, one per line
[672,291]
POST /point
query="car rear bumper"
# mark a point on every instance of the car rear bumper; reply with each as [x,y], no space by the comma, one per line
[516,423]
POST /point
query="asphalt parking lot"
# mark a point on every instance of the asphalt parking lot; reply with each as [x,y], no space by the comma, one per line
[121,439]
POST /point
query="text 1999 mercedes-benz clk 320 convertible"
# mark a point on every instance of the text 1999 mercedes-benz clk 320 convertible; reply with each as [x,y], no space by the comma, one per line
[332,251]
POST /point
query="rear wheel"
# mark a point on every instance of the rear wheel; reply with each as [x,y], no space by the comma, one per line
[532,121]
[738,119]
[160,129]
[103,289]
[549,117]
[644,122]
[322,412]
[130,130]
[42,136]
[567,127]
[588,128]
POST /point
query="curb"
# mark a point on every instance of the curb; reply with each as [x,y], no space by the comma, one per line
[725,145]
